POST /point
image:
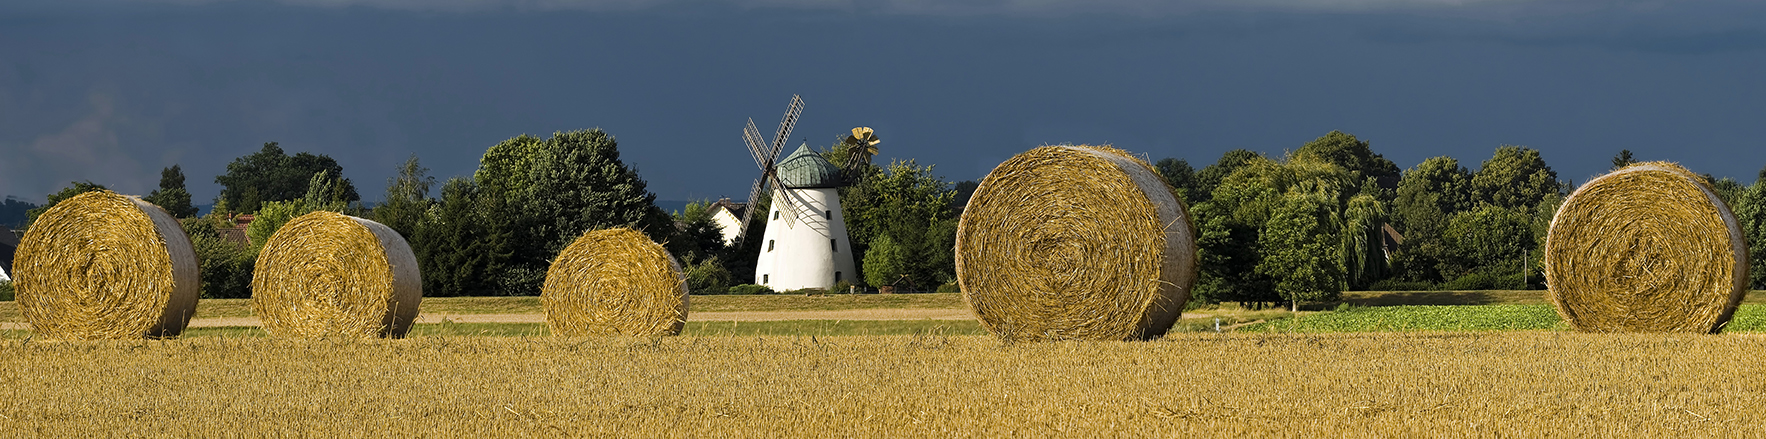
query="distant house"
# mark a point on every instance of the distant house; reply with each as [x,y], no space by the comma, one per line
[728,216]
[8,246]
[236,233]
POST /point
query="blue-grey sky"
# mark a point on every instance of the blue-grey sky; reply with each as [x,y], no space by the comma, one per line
[112,91]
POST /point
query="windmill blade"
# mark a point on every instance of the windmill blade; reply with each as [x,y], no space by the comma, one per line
[753,192]
[757,145]
[785,202]
[786,124]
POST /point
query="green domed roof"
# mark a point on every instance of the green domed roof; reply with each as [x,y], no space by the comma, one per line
[806,169]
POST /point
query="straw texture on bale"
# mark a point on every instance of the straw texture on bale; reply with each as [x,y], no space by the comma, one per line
[1075,242]
[615,282]
[105,266]
[1647,248]
[326,274]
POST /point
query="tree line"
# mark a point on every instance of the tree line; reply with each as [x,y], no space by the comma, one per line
[1333,215]
[1329,216]
[496,231]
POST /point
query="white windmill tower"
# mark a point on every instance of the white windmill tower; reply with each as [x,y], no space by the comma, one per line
[805,245]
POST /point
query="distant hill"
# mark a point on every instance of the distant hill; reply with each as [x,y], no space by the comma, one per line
[12,211]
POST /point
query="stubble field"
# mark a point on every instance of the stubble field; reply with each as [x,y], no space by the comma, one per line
[1378,385]
[770,379]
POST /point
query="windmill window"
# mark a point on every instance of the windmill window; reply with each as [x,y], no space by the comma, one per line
[763,278]
[836,276]
[769,245]
[834,244]
[775,214]
[829,214]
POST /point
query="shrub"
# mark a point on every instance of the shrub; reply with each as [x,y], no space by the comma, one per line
[750,289]
[708,277]
[5,291]
[1485,281]
[225,266]
[1400,285]
[808,291]
[1474,281]
[842,287]
[951,287]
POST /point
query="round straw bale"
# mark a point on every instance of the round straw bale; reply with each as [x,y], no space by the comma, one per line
[326,274]
[1075,242]
[106,266]
[614,282]
[1647,248]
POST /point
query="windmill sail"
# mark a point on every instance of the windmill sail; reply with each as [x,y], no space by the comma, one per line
[767,156]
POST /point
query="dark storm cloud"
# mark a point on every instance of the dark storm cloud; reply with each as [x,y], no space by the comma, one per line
[113,91]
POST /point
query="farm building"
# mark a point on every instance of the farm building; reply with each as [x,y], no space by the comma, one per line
[810,250]
[728,217]
[236,233]
[8,246]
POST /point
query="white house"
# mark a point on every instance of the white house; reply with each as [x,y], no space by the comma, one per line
[728,217]
[814,252]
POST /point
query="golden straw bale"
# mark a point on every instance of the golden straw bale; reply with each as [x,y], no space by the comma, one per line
[326,274]
[615,282]
[1075,242]
[104,266]
[1647,248]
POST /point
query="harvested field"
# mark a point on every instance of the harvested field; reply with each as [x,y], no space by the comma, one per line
[215,308]
[1363,385]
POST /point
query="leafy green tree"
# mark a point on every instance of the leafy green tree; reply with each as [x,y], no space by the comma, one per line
[1344,150]
[1241,210]
[1301,250]
[698,236]
[1364,258]
[1727,189]
[885,262]
[1212,175]
[1428,195]
[1515,177]
[1181,177]
[272,175]
[504,169]
[75,188]
[322,194]
[707,276]
[580,185]
[171,195]
[911,206]
[1750,211]
[1623,159]
[536,196]
[457,249]
[1488,240]
[407,198]
[1228,259]
[225,266]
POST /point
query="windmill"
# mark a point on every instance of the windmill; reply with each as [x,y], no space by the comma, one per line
[809,248]
[766,156]
[860,147]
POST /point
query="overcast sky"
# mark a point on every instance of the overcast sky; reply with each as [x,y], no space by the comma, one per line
[113,91]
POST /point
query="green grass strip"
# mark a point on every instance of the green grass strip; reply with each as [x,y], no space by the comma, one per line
[1408,318]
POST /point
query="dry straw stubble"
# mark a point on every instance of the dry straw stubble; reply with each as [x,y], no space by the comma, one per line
[1647,248]
[326,274]
[104,266]
[615,282]
[1075,242]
